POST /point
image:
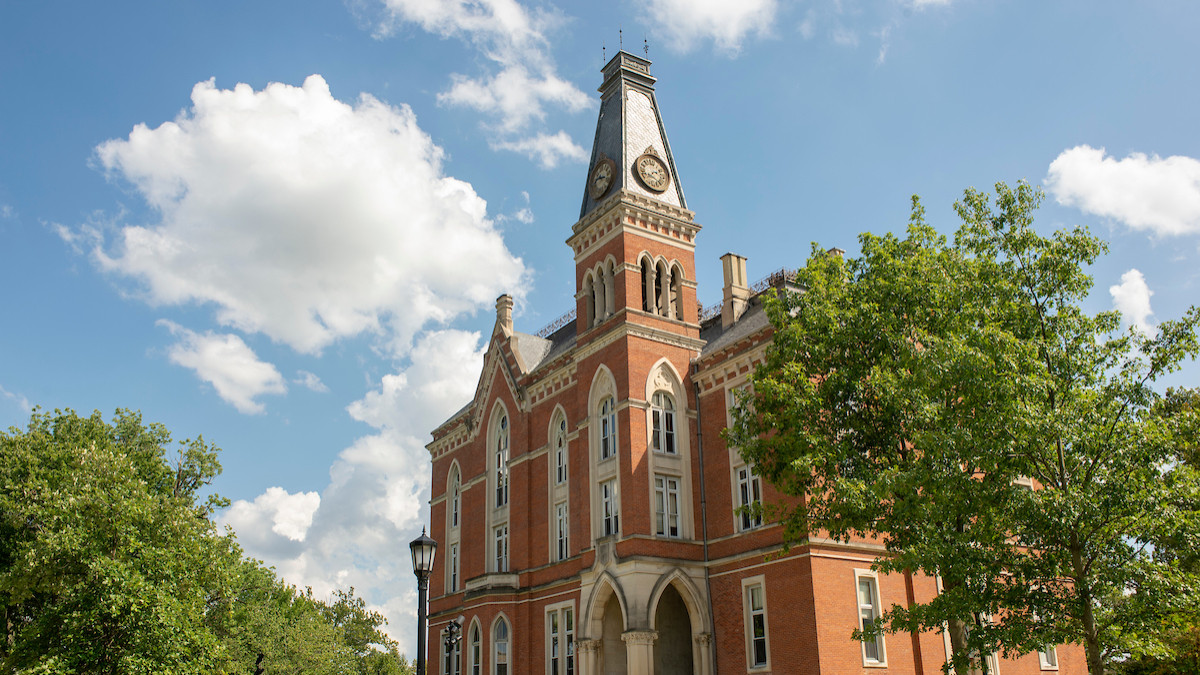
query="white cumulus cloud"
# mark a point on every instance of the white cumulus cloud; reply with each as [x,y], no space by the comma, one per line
[376,501]
[1132,299]
[287,515]
[1146,192]
[228,364]
[304,218]
[685,23]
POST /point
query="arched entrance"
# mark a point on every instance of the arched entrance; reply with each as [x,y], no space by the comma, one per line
[673,648]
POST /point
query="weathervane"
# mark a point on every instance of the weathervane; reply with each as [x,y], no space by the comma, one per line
[621,37]
[646,47]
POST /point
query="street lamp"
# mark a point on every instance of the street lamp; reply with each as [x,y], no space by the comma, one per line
[422,549]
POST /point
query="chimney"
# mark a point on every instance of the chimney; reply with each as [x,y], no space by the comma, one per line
[504,309]
[736,296]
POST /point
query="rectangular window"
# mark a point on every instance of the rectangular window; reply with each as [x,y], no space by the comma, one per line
[562,524]
[501,549]
[610,508]
[561,640]
[1048,658]
[666,506]
[749,493]
[755,607]
[868,615]
[453,567]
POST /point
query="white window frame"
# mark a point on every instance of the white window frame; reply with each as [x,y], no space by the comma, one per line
[749,491]
[662,423]
[875,607]
[507,641]
[562,529]
[452,568]
[500,561]
[501,461]
[750,585]
[608,428]
[610,508]
[560,639]
[666,506]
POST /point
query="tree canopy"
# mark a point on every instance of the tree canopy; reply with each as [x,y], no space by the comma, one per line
[955,399]
[110,563]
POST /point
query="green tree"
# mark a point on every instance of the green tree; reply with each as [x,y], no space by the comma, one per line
[914,392]
[109,563]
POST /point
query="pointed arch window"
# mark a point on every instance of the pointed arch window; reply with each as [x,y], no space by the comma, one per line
[501,465]
[476,654]
[560,451]
[455,497]
[608,428]
[662,413]
[500,648]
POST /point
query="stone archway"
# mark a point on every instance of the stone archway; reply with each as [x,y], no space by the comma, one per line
[673,647]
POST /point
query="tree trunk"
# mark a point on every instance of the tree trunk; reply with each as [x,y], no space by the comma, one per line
[1083,590]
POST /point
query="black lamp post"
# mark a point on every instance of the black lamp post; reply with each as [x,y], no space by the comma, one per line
[422,549]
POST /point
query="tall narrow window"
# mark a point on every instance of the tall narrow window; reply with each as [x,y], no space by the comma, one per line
[501,549]
[560,624]
[749,494]
[455,498]
[662,413]
[868,614]
[452,568]
[502,462]
[560,452]
[666,505]
[500,648]
[476,651]
[562,520]
[608,428]
[755,614]
[609,507]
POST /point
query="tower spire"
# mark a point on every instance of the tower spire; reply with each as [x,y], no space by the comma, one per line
[630,151]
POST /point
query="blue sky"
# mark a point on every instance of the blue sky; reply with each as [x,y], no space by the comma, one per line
[283,225]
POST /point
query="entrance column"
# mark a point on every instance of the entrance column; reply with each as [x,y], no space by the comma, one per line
[588,652]
[702,654]
[639,646]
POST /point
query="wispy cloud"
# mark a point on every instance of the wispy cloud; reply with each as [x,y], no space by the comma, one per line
[522,83]
[685,24]
[547,150]
[228,364]
[310,381]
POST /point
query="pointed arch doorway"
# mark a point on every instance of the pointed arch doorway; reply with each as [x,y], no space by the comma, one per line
[673,648]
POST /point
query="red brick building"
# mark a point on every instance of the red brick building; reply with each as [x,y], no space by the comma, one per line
[585,504]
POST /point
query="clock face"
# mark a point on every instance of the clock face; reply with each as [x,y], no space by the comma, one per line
[602,178]
[653,172]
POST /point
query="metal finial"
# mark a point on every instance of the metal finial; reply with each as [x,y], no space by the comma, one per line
[646,46]
[603,53]
[621,37]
